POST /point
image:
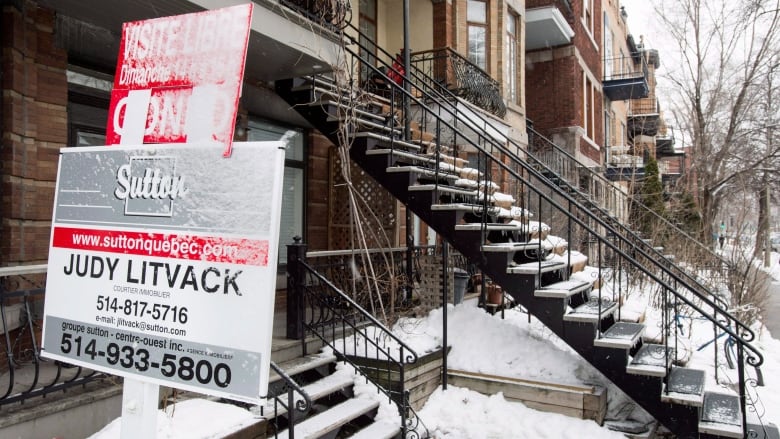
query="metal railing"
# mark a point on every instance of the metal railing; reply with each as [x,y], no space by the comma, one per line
[354,334]
[610,250]
[447,69]
[331,14]
[285,403]
[21,313]
[624,68]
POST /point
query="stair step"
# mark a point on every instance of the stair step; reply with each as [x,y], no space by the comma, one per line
[588,312]
[684,386]
[378,430]
[301,364]
[380,126]
[460,207]
[765,431]
[316,390]
[414,158]
[387,139]
[332,418]
[650,360]
[489,227]
[378,117]
[622,335]
[508,247]
[425,172]
[536,267]
[721,415]
[563,289]
[442,188]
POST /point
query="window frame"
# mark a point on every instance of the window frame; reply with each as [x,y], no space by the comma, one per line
[289,163]
[513,72]
[485,27]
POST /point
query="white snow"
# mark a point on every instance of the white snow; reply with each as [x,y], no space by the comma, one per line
[513,347]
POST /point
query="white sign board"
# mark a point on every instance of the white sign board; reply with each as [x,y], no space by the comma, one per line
[178,78]
[162,264]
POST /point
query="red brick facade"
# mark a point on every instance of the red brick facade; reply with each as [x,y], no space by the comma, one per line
[34,116]
[555,79]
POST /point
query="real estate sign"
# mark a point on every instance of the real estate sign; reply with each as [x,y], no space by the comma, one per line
[178,79]
[162,264]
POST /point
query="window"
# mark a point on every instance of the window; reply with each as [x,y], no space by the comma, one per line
[609,61]
[587,15]
[367,22]
[588,107]
[476,16]
[511,71]
[293,202]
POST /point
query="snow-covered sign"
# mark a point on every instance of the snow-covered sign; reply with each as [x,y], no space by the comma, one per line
[162,264]
[178,79]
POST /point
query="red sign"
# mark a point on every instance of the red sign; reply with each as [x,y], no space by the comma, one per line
[178,79]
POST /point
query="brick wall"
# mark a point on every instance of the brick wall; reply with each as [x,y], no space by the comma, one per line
[34,96]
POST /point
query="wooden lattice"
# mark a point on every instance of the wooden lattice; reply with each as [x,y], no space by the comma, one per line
[380,201]
[430,283]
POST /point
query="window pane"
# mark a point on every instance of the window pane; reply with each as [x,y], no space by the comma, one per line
[262,132]
[477,11]
[86,138]
[477,53]
[368,8]
[291,223]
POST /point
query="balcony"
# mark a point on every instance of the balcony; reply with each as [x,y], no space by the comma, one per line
[464,79]
[664,147]
[546,28]
[624,79]
[625,167]
[643,117]
[288,39]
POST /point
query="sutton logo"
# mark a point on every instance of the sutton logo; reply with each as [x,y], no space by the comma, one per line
[148,186]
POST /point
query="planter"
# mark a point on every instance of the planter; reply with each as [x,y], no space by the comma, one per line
[420,378]
[494,294]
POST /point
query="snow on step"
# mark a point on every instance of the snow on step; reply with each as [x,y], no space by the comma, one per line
[442,188]
[685,386]
[591,311]
[387,139]
[422,171]
[563,289]
[316,390]
[651,360]
[721,415]
[507,247]
[378,430]
[488,227]
[620,335]
[302,364]
[536,267]
[332,419]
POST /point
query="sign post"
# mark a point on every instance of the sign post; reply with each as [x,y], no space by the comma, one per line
[162,269]
[178,80]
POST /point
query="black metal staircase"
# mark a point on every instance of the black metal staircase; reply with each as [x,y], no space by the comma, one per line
[460,203]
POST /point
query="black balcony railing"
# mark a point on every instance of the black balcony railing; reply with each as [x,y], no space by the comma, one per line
[332,14]
[448,69]
[21,319]
[623,79]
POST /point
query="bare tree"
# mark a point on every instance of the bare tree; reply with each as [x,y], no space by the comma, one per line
[727,49]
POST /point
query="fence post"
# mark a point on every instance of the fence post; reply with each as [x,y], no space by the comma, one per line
[296,252]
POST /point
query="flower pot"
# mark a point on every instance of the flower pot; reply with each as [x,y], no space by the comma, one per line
[494,294]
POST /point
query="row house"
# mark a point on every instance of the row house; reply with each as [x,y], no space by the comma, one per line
[488,125]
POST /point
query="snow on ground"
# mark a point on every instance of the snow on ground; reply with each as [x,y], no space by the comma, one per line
[511,347]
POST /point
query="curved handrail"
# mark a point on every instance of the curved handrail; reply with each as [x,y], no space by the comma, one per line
[411,357]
